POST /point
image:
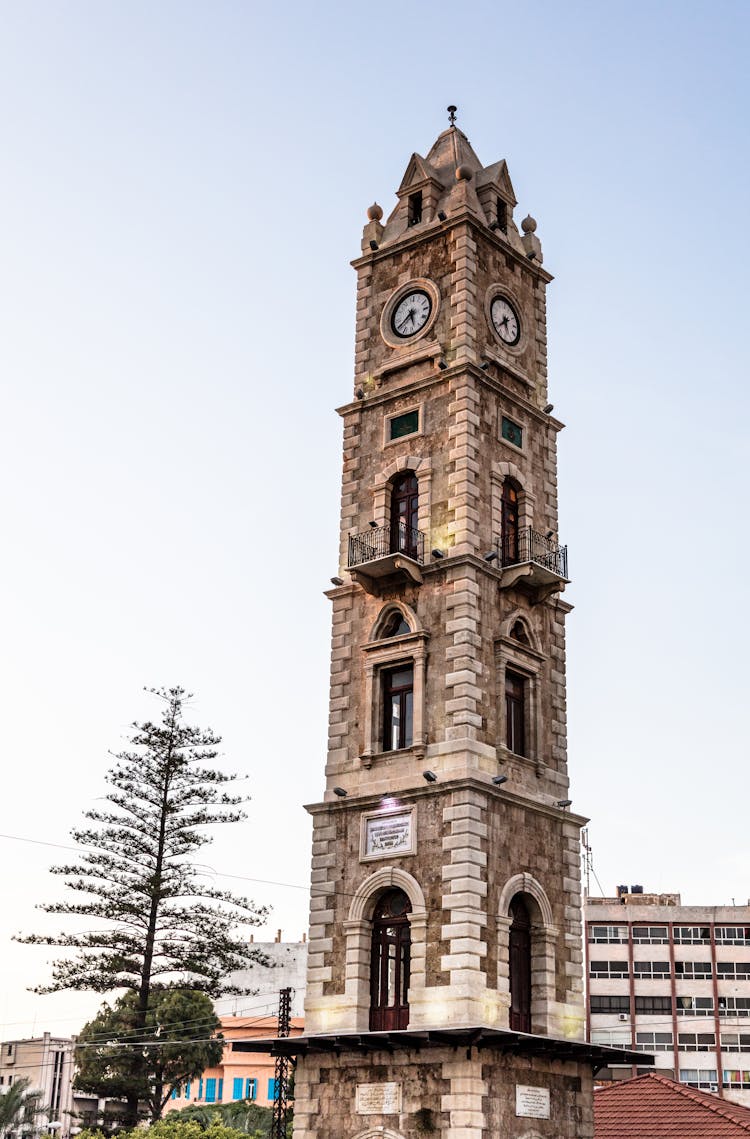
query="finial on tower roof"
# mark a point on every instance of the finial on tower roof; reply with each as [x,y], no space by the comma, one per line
[452,115]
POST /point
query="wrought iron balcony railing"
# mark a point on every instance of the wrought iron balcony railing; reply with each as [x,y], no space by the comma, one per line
[530,546]
[382,541]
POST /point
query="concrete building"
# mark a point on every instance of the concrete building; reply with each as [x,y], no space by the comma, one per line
[241,1074]
[445,970]
[285,967]
[244,1075]
[674,981]
[47,1063]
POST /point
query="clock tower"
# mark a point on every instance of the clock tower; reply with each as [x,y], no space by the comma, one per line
[444,986]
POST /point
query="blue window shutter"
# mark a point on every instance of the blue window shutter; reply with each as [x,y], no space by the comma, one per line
[211,1089]
[174,1093]
[221,1090]
[272,1089]
[200,1088]
[187,1090]
[237,1087]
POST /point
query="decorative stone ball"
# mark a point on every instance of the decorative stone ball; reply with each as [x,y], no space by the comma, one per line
[528,225]
[375,212]
[463,173]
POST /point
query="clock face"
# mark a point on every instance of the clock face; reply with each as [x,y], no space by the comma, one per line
[412,313]
[505,320]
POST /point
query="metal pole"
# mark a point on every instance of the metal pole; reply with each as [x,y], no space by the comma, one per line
[282,1071]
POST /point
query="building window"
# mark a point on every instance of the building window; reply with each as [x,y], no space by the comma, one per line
[515,712]
[697,1078]
[401,425]
[735,1041]
[609,934]
[697,1041]
[651,970]
[653,1041]
[395,625]
[651,934]
[520,966]
[187,1090]
[734,1078]
[211,1089]
[692,935]
[251,1089]
[512,432]
[653,1004]
[609,969]
[734,1006]
[405,515]
[699,970]
[502,215]
[398,708]
[415,208]
[509,523]
[695,1006]
[732,935]
[609,1004]
[390,962]
[733,970]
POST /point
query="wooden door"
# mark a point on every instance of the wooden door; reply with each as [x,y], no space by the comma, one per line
[405,515]
[389,965]
[520,966]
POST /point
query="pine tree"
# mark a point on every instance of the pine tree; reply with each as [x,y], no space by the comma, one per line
[160,925]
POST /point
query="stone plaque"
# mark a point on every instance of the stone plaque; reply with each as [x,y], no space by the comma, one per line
[387,834]
[532,1102]
[378,1099]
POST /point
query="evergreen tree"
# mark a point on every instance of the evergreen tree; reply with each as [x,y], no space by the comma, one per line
[160,925]
[179,1042]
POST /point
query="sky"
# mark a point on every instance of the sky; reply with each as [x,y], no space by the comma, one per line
[183,187]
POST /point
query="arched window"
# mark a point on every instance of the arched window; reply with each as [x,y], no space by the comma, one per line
[395,625]
[405,515]
[518,633]
[389,962]
[509,523]
[520,966]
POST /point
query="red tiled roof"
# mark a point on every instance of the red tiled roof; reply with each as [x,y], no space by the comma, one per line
[655,1107]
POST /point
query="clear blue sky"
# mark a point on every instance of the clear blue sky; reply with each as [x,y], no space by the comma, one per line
[183,187]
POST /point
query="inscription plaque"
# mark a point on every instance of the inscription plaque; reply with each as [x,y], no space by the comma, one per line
[384,835]
[531,1102]
[378,1099]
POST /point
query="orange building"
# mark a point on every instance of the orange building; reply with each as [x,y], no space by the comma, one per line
[241,1075]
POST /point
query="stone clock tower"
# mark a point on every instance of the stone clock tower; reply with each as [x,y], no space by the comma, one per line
[444,987]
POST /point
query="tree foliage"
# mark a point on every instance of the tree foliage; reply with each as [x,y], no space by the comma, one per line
[178,1041]
[20,1108]
[159,925]
[241,1114]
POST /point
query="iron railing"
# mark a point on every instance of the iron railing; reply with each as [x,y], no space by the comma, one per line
[380,541]
[530,546]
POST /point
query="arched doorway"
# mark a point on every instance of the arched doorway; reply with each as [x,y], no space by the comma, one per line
[405,514]
[520,966]
[509,523]
[389,962]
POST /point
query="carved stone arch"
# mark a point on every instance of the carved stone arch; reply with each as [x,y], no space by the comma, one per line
[379,1133]
[506,470]
[406,612]
[405,463]
[543,947]
[522,616]
[381,489]
[358,931]
[363,902]
[502,471]
[526,884]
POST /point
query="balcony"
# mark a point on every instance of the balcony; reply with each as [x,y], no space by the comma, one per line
[534,562]
[382,551]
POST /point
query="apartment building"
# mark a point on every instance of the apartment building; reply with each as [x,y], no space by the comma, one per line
[47,1063]
[672,981]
